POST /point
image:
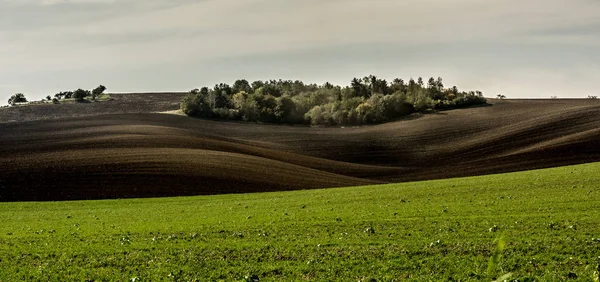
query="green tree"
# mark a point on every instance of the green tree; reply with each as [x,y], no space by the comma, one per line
[397,85]
[241,85]
[257,84]
[195,105]
[285,111]
[359,88]
[98,91]
[80,94]
[17,98]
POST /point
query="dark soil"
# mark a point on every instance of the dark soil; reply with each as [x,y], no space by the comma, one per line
[144,154]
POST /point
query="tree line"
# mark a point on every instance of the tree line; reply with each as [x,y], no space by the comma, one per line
[78,95]
[366,100]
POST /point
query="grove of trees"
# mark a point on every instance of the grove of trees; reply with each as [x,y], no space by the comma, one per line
[80,94]
[366,100]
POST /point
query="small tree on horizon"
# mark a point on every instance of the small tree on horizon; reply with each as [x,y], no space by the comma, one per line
[501,96]
[98,91]
[17,98]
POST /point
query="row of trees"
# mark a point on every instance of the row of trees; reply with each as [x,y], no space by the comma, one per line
[366,100]
[79,95]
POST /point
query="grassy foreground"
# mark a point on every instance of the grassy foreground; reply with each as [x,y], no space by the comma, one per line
[542,224]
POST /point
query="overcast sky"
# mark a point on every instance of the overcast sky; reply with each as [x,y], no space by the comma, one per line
[520,48]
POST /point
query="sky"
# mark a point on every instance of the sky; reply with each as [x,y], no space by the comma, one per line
[519,48]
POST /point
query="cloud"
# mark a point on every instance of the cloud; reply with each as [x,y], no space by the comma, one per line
[55,2]
[123,35]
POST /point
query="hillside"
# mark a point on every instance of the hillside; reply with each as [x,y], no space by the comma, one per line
[126,103]
[147,155]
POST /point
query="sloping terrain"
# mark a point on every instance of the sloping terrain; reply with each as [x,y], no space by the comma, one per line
[146,155]
[117,104]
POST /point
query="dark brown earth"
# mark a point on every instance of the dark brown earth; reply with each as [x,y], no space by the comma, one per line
[149,155]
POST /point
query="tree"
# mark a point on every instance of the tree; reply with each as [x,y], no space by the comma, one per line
[359,88]
[440,84]
[17,98]
[80,94]
[397,85]
[432,84]
[378,86]
[500,96]
[412,85]
[98,91]
[285,110]
[48,98]
[241,85]
[327,85]
[257,84]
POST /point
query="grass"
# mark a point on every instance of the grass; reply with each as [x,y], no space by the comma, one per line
[534,225]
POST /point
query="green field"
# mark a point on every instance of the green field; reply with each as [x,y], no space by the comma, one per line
[548,222]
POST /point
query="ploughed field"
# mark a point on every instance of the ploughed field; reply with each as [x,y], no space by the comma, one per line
[147,154]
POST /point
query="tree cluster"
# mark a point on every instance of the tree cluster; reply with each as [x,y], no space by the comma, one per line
[79,94]
[366,100]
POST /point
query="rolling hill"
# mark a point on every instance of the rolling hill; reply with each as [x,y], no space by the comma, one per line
[133,152]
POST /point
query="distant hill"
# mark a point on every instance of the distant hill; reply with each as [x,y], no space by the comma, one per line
[126,103]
